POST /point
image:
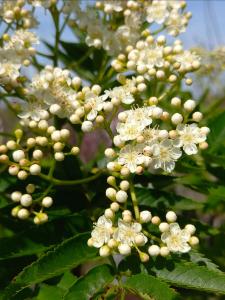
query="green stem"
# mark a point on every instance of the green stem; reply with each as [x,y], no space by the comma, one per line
[134,201]
[59,182]
[108,129]
[6,134]
[152,237]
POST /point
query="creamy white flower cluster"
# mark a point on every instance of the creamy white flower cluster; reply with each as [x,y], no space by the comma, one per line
[24,157]
[120,235]
[102,31]
[16,52]
[140,143]
[16,12]
[54,93]
[153,58]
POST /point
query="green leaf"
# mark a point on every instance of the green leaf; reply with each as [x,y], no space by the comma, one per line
[149,287]
[35,240]
[69,254]
[67,280]
[90,284]
[200,259]
[49,292]
[191,276]
[216,137]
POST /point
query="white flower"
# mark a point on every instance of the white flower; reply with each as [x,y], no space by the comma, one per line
[186,59]
[34,110]
[165,155]
[189,136]
[96,103]
[102,231]
[157,12]
[140,115]
[53,86]
[131,157]
[9,72]
[176,239]
[151,56]
[121,93]
[127,232]
[176,23]
[150,135]
[129,131]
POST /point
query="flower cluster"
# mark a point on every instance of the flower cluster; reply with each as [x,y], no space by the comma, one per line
[16,52]
[15,11]
[98,21]
[120,235]
[24,158]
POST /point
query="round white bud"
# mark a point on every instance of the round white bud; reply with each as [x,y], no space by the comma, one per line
[177,118]
[26,200]
[194,241]
[157,112]
[189,105]
[145,216]
[18,155]
[43,125]
[197,116]
[65,133]
[124,249]
[139,240]
[11,145]
[122,116]
[154,250]
[205,130]
[163,134]
[108,106]
[176,102]
[59,156]
[121,196]
[22,175]
[75,150]
[190,228]
[76,82]
[37,154]
[104,251]
[164,251]
[90,242]
[35,169]
[56,136]
[164,227]
[156,220]
[111,193]
[109,152]
[47,201]
[114,206]
[124,185]
[112,243]
[16,196]
[117,141]
[171,216]
[13,170]
[23,214]
[55,109]
[109,214]
[87,126]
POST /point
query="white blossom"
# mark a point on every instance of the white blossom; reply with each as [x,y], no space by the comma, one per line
[102,231]
[131,156]
[176,239]
[165,154]
[189,136]
[157,11]
[126,232]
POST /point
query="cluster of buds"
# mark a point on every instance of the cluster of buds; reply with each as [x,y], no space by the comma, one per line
[28,205]
[16,12]
[17,51]
[115,234]
[101,30]
[154,59]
